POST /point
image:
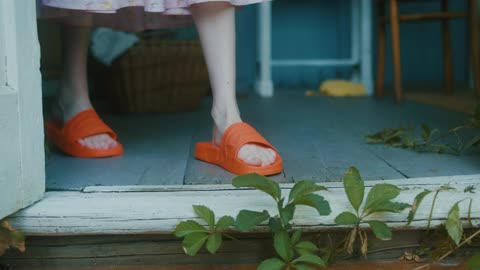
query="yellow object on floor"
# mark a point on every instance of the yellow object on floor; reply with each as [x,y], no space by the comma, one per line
[339,88]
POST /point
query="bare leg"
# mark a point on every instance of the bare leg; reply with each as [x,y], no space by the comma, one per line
[73,97]
[215,23]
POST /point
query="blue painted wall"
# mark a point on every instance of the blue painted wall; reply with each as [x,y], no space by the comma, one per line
[321,29]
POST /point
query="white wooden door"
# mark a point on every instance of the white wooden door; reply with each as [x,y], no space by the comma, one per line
[22,164]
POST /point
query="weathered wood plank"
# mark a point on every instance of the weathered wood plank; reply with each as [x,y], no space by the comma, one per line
[76,213]
[317,137]
[158,251]
[381,265]
[156,153]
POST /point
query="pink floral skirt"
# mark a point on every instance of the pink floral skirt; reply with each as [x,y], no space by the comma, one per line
[128,15]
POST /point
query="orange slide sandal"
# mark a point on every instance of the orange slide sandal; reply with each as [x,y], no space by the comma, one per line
[225,155]
[84,124]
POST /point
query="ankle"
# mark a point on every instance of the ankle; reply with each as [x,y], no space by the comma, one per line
[225,117]
[68,105]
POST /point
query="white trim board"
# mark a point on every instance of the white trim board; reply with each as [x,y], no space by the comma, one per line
[146,210]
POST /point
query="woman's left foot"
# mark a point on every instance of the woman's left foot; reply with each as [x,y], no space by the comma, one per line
[251,154]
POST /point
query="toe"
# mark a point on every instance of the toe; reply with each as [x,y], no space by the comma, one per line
[264,156]
[102,141]
[112,143]
[105,139]
[249,156]
[256,155]
[272,155]
[106,142]
[253,160]
[96,142]
[90,143]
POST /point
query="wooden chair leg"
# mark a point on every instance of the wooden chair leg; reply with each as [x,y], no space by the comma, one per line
[397,67]
[474,44]
[380,80]
[447,53]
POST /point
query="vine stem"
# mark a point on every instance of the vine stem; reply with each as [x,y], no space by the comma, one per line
[460,245]
[451,251]
[445,134]
[382,250]
[431,209]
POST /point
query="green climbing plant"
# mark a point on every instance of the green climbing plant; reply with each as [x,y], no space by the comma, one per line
[292,252]
[379,200]
[295,253]
[453,225]
[432,139]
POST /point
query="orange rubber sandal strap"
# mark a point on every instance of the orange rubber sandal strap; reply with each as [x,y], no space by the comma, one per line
[84,124]
[240,134]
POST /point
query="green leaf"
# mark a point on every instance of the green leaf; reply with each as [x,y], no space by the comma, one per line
[258,182]
[354,187]
[389,206]
[380,230]
[247,220]
[282,244]
[193,242]
[315,201]
[275,224]
[296,236]
[347,218]
[379,194]
[307,246]
[214,242]
[225,222]
[310,259]
[303,188]
[474,262]
[389,136]
[454,224]
[426,132]
[286,214]
[416,203]
[303,267]
[271,264]
[188,227]
[206,214]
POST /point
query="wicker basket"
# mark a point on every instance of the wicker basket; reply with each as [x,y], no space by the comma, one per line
[158,76]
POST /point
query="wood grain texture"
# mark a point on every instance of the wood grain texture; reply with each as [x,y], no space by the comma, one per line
[319,138]
[156,153]
[165,252]
[380,265]
[76,213]
[395,32]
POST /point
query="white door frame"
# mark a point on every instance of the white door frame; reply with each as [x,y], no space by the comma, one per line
[139,209]
[158,209]
[22,164]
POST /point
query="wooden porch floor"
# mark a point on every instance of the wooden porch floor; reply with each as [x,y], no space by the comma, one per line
[318,138]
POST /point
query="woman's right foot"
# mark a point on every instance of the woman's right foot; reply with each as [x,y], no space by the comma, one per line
[65,109]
